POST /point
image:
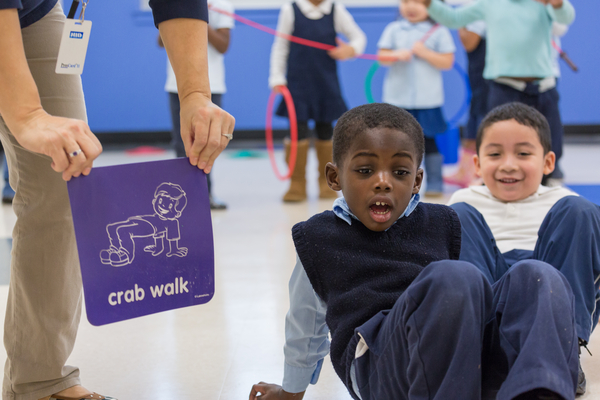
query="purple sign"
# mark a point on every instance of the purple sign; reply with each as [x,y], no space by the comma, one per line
[144,237]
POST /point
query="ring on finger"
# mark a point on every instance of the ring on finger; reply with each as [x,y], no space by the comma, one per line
[75,153]
[227,135]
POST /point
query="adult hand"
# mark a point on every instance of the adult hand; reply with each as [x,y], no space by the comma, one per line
[343,51]
[59,138]
[205,130]
[269,391]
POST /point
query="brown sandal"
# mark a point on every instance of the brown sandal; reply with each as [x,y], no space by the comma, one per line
[93,396]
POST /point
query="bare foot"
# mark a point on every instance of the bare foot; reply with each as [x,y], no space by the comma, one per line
[77,391]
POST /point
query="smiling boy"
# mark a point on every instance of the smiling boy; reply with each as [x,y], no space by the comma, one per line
[407,320]
[513,217]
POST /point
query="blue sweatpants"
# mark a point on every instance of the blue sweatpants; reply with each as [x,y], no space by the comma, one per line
[453,335]
[568,239]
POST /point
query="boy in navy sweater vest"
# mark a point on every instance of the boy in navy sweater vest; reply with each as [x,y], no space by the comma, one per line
[407,320]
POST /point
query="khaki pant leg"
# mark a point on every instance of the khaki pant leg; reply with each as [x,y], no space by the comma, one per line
[44,301]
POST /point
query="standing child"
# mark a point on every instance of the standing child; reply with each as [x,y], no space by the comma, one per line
[311,77]
[518,53]
[420,50]
[406,319]
[473,39]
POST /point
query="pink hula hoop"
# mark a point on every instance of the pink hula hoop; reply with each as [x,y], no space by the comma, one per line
[289,103]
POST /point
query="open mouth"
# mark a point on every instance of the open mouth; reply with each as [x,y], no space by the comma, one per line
[163,210]
[381,211]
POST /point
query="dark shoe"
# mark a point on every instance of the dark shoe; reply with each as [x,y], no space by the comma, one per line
[581,382]
[216,204]
[539,394]
[93,396]
[7,194]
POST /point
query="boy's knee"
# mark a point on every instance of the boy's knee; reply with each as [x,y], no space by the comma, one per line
[465,210]
[575,207]
[532,273]
[454,275]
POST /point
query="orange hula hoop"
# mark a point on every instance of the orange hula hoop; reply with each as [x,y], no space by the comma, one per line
[289,102]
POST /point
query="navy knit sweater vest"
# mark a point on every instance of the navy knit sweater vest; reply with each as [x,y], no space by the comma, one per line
[358,272]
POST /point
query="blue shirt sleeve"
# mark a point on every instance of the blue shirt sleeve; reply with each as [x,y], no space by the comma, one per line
[443,41]
[5,4]
[386,41]
[163,10]
[306,334]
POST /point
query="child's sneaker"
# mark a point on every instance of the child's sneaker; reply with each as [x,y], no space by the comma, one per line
[581,382]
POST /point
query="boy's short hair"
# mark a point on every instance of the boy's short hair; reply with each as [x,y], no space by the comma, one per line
[524,115]
[377,115]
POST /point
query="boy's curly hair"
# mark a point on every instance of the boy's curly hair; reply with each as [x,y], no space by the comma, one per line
[524,115]
[362,118]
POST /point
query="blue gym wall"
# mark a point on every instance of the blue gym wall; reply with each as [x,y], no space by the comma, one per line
[125,69]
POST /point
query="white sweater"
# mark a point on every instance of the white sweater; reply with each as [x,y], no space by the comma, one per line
[515,224]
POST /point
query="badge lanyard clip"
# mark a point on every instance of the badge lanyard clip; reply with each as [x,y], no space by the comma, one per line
[83,6]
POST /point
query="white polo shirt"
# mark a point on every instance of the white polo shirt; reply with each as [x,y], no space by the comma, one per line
[515,224]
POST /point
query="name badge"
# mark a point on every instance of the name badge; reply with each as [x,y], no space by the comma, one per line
[73,47]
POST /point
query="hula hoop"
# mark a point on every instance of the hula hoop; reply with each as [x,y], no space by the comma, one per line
[369,82]
[452,122]
[289,103]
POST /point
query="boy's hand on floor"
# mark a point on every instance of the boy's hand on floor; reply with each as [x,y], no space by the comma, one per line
[269,391]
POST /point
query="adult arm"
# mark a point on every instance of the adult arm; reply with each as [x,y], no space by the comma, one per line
[21,109]
[455,17]
[306,341]
[183,29]
[203,124]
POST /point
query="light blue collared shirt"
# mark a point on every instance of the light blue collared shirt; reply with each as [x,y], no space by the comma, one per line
[414,84]
[517,32]
[306,332]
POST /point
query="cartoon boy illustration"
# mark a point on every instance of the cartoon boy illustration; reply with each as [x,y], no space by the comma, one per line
[169,202]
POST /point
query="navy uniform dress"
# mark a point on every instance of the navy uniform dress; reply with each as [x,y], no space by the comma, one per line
[312,73]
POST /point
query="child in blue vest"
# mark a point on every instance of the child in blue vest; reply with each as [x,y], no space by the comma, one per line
[518,53]
[311,76]
[407,320]
[513,217]
[420,50]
